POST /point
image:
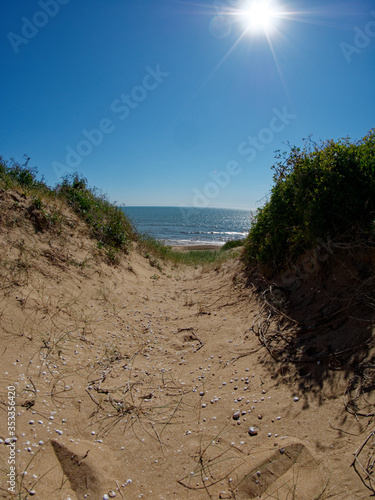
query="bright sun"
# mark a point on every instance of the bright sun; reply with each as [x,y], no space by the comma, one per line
[259,16]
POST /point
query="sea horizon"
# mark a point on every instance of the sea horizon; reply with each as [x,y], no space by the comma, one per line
[186,207]
[190,225]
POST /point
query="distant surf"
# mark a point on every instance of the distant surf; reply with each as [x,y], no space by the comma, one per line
[190,226]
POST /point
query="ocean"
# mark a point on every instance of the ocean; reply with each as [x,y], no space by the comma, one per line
[190,226]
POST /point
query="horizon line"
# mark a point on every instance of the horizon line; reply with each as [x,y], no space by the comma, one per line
[186,207]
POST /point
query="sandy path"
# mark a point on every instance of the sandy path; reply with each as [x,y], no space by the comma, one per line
[144,385]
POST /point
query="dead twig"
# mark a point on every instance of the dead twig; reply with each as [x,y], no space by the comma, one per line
[366,470]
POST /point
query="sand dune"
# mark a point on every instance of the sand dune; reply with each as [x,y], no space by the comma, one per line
[133,384]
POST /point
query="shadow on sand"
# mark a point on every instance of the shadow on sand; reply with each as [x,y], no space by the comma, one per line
[321,325]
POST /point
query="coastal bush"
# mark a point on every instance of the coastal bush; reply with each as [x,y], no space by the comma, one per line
[16,175]
[322,191]
[232,244]
[108,223]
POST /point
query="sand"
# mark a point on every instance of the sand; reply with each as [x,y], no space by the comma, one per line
[135,383]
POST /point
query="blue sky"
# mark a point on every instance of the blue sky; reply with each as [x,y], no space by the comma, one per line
[169,102]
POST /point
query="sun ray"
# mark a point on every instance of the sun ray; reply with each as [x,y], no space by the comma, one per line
[279,72]
[259,16]
[214,70]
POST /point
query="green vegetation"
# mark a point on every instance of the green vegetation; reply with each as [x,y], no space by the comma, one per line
[323,191]
[232,244]
[107,223]
[16,176]
[158,250]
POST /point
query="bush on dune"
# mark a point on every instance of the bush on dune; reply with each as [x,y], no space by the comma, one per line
[107,223]
[232,244]
[323,191]
[14,175]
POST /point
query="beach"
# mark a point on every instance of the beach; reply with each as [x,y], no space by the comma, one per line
[186,248]
[188,226]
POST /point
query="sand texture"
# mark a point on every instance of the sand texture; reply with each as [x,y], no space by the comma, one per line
[133,384]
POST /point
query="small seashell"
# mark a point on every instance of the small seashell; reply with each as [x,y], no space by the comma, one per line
[236,415]
[224,494]
[260,416]
[253,431]
[295,399]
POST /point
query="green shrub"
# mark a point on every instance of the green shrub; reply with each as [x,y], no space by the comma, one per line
[14,175]
[24,175]
[232,244]
[319,192]
[108,223]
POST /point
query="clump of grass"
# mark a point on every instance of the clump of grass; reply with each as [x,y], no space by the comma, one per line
[107,223]
[325,191]
[153,262]
[232,244]
[14,175]
[195,258]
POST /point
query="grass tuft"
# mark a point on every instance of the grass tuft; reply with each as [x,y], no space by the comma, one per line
[232,244]
[107,223]
[195,258]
